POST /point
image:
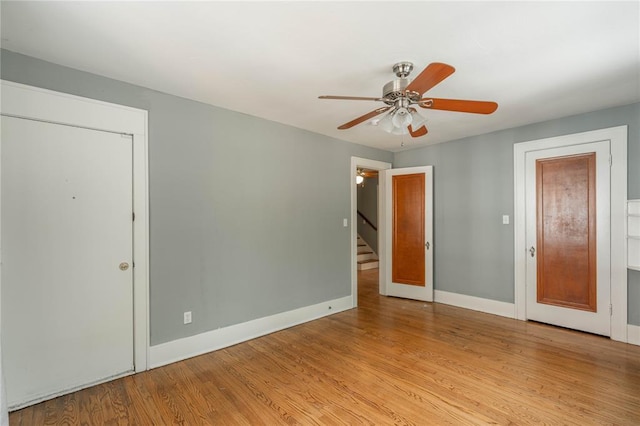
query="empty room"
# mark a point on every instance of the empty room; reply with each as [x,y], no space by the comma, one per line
[310,212]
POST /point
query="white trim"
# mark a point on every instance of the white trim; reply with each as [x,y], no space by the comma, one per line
[4,412]
[141,250]
[178,350]
[33,103]
[633,334]
[41,104]
[373,165]
[618,138]
[495,307]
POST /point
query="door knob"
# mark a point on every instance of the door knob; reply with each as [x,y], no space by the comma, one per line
[532,250]
[124,266]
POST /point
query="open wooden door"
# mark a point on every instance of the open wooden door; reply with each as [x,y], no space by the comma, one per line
[408,204]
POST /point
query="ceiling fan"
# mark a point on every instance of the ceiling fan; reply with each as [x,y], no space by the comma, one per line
[402,94]
[361,174]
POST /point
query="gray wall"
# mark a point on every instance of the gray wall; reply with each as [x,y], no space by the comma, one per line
[236,230]
[473,188]
[368,206]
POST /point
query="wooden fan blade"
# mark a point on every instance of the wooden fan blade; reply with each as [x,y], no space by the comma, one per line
[365,117]
[349,98]
[433,74]
[420,132]
[475,107]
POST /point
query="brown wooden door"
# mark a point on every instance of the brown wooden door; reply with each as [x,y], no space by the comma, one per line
[408,200]
[568,234]
[566,231]
[408,236]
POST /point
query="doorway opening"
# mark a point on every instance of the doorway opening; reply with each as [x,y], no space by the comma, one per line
[366,220]
[366,225]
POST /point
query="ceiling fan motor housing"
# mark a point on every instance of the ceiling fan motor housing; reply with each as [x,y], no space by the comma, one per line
[403,69]
[396,89]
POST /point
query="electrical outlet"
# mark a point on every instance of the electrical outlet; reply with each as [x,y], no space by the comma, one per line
[187,317]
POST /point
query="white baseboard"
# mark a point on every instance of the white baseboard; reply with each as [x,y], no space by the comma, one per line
[488,306]
[177,350]
[633,334]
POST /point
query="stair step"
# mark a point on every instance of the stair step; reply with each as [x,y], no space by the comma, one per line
[367,259]
[367,256]
[368,264]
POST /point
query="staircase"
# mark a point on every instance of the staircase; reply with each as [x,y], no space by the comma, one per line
[367,259]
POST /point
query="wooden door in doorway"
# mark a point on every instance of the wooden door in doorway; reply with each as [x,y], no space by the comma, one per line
[408,229]
[408,201]
[566,231]
[568,235]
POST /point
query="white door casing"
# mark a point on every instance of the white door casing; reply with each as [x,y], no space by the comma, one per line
[33,103]
[398,289]
[617,137]
[594,322]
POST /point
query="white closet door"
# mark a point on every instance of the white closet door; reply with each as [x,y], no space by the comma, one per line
[67,286]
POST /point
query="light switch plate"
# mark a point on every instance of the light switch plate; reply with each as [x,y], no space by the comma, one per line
[345,222]
[505,219]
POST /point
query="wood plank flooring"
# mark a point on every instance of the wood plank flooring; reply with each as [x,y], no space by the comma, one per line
[391,361]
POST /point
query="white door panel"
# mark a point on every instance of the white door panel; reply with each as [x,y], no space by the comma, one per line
[67,307]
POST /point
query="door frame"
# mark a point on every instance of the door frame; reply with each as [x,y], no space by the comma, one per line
[618,162]
[22,101]
[357,162]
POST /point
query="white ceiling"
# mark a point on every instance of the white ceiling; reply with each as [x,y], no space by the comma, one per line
[538,60]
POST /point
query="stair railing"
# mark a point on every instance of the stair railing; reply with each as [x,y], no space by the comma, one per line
[367,221]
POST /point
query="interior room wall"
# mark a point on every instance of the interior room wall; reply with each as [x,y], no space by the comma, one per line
[238,229]
[238,233]
[473,189]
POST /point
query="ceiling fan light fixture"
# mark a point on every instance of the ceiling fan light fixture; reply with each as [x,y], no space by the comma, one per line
[386,123]
[417,120]
[400,131]
[396,121]
[401,117]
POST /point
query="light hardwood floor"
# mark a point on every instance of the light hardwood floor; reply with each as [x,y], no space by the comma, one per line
[391,361]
